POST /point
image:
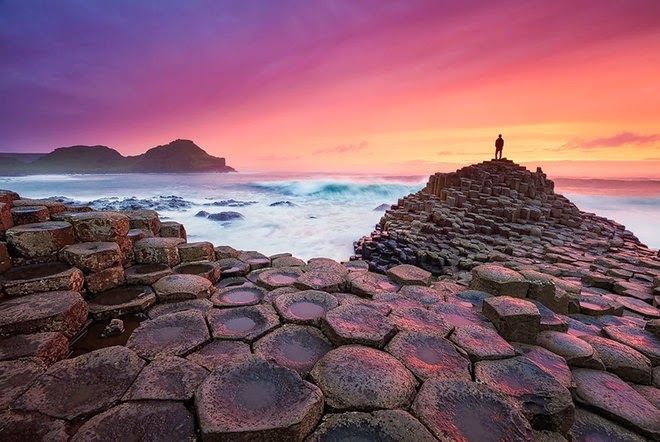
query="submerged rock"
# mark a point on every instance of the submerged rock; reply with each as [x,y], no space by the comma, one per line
[225,216]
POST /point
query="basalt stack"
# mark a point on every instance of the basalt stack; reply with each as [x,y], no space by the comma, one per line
[114,327]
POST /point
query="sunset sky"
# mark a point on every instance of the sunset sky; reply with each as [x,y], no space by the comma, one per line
[340,86]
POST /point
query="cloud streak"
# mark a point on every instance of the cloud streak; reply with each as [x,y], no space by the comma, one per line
[612,142]
[342,148]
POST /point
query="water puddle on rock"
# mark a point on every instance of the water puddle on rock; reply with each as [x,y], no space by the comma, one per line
[307,309]
[91,338]
[240,296]
[240,324]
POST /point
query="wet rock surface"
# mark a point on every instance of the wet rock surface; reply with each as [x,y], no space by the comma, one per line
[492,292]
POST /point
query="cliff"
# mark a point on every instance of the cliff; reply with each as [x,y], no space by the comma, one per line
[177,156]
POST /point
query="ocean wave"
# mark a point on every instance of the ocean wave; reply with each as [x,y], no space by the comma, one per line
[334,189]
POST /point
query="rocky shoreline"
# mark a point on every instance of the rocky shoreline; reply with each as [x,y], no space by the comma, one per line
[485,307]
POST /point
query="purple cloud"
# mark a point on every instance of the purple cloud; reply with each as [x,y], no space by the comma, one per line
[620,139]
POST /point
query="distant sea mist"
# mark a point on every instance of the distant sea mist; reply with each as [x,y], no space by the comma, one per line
[312,216]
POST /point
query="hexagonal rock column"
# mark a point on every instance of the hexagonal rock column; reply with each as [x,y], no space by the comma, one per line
[481,343]
[218,353]
[105,279]
[626,362]
[254,259]
[121,301]
[100,226]
[590,426]
[64,312]
[578,353]
[428,355]
[46,347]
[354,377]
[40,240]
[92,256]
[406,274]
[144,219]
[368,284]
[16,425]
[157,251]
[146,274]
[465,410]
[29,214]
[420,319]
[233,267]
[167,378]
[153,420]
[16,377]
[196,251]
[549,362]
[105,375]
[200,305]
[182,287]
[242,323]
[330,279]
[210,270]
[46,277]
[278,277]
[515,319]
[298,347]
[172,229]
[358,324]
[5,259]
[174,334]
[617,400]
[238,296]
[287,261]
[498,280]
[305,307]
[256,399]
[546,403]
[6,221]
[394,425]
[54,207]
[644,342]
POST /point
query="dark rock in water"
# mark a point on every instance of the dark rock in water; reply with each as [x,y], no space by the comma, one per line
[160,202]
[231,203]
[202,214]
[381,207]
[283,204]
[226,216]
[114,328]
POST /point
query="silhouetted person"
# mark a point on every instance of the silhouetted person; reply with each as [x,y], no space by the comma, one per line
[499,146]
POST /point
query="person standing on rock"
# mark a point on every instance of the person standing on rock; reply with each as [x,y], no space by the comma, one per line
[499,146]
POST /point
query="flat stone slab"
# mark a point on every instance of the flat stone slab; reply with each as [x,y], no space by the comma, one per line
[238,296]
[481,343]
[100,226]
[549,362]
[287,261]
[515,319]
[92,256]
[200,305]
[474,297]
[589,426]
[298,347]
[330,279]
[546,403]
[420,319]
[428,355]
[146,274]
[167,378]
[242,323]
[205,269]
[29,214]
[196,251]
[233,267]
[305,307]
[45,277]
[406,274]
[121,301]
[577,352]
[174,334]
[105,279]
[145,219]
[257,399]
[47,347]
[177,287]
[354,377]
[358,324]
[149,420]
[64,312]
[15,426]
[278,277]
[498,280]
[466,410]
[254,259]
[16,377]
[383,425]
[616,400]
[39,239]
[626,362]
[84,385]
[217,353]
[644,342]
[422,294]
[637,306]
[368,284]
[158,251]
[459,315]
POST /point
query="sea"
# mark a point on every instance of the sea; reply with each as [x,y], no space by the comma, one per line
[306,215]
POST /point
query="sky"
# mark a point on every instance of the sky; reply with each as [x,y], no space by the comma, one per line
[406,87]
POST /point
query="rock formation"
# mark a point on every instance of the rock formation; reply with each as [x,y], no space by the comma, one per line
[113,326]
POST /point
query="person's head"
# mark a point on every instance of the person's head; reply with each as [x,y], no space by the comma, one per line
[499,136]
